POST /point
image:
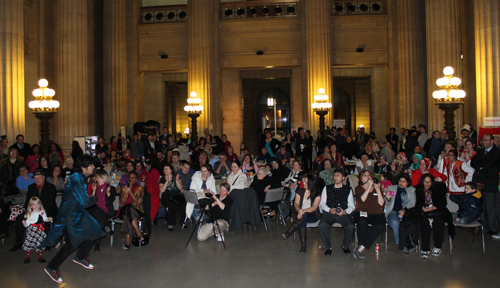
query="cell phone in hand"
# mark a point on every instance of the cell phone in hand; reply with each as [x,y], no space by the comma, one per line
[128,183]
[391,193]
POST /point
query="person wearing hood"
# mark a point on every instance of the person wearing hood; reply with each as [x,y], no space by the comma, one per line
[416,162]
[280,172]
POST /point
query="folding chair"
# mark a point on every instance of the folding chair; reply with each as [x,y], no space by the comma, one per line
[453,207]
[273,195]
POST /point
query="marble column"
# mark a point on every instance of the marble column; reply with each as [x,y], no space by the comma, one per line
[412,88]
[318,67]
[73,75]
[487,34]
[115,66]
[200,57]
[12,104]
[443,49]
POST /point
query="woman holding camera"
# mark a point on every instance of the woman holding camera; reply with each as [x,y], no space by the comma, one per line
[431,201]
[221,208]
[133,195]
[171,197]
[369,211]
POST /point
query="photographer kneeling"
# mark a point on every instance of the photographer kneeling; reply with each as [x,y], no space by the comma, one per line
[221,209]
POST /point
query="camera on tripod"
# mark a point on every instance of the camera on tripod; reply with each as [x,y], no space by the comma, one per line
[209,196]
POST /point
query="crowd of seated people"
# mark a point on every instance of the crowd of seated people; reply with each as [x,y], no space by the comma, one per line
[419,173]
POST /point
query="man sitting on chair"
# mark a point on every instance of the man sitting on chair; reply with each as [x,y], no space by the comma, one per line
[337,203]
[221,209]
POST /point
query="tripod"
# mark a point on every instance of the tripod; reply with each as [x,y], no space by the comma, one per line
[200,222]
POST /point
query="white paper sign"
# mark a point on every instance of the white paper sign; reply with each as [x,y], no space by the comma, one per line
[491,121]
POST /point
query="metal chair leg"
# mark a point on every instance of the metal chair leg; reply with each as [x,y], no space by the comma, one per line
[482,235]
[451,245]
[263,220]
[386,236]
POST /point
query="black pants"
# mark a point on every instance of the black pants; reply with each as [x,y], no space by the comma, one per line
[328,220]
[425,232]
[146,205]
[173,208]
[68,249]
[366,235]
[20,229]
[491,211]
[3,220]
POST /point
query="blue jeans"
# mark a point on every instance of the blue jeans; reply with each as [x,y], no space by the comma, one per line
[308,218]
[393,221]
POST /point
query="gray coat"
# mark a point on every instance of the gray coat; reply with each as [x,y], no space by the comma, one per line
[389,204]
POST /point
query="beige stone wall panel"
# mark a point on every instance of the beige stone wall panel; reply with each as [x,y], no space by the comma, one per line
[73,74]
[12,103]
[411,55]
[443,49]
[115,67]
[487,31]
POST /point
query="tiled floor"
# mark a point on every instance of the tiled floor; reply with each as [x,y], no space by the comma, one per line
[259,258]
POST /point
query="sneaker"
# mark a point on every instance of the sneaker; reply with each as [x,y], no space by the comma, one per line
[328,252]
[220,238]
[125,247]
[496,235]
[53,274]
[84,263]
[436,252]
[425,254]
[358,254]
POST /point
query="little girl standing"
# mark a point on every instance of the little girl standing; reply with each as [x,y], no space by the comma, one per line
[33,221]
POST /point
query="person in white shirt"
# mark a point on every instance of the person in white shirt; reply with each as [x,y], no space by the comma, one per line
[337,203]
[237,179]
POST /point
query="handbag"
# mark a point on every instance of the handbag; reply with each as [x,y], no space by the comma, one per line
[433,214]
[144,242]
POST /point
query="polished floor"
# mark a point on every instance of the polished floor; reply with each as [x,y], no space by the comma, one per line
[259,258]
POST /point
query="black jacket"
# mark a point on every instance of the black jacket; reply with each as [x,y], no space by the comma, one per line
[47,196]
[487,169]
[25,152]
[395,138]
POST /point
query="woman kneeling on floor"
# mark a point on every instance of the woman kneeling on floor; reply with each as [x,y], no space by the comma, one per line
[221,208]
[306,203]
[133,195]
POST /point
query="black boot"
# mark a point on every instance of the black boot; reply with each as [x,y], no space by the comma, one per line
[303,240]
[293,227]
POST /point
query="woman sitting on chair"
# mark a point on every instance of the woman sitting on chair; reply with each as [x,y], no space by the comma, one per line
[262,183]
[105,195]
[306,203]
[170,188]
[431,201]
[237,179]
[398,199]
[133,195]
[202,182]
[369,211]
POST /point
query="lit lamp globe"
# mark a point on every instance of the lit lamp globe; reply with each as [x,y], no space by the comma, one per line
[448,71]
[43,83]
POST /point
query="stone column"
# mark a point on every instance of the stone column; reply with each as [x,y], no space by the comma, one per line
[199,57]
[115,66]
[411,63]
[318,67]
[73,76]
[12,116]
[487,34]
[443,49]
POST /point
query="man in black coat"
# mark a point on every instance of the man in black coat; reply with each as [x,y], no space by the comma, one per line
[46,192]
[24,149]
[487,165]
[392,139]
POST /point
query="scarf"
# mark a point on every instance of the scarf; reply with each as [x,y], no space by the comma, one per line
[415,166]
[404,196]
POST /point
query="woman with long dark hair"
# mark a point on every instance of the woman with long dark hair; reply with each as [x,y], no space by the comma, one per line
[55,156]
[133,196]
[101,146]
[170,188]
[76,150]
[44,164]
[55,178]
[32,160]
[306,203]
[431,202]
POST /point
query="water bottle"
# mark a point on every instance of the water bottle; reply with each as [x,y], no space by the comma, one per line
[227,174]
